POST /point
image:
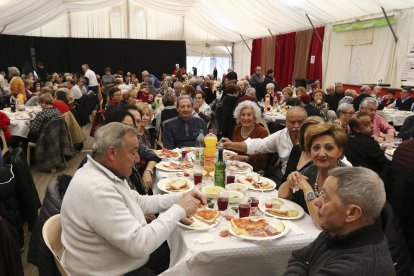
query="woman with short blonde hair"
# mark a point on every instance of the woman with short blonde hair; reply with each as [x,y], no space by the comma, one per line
[143,133]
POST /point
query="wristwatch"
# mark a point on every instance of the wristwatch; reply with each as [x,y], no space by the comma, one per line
[151,171]
[310,196]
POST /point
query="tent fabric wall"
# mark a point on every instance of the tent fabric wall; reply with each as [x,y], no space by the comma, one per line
[242,58]
[285,58]
[315,69]
[303,42]
[267,57]
[68,54]
[256,55]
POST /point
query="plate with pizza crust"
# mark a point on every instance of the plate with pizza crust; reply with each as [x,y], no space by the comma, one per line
[173,166]
[174,154]
[257,183]
[202,220]
[238,167]
[281,209]
[175,185]
[257,228]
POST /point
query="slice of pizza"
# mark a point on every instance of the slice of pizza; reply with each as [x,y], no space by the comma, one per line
[175,185]
[283,213]
[207,216]
[247,226]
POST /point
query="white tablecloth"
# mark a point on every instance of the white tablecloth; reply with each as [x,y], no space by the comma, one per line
[274,117]
[397,117]
[231,255]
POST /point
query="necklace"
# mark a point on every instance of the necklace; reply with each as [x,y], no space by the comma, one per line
[315,186]
[246,134]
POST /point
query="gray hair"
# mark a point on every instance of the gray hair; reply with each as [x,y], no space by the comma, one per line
[331,86]
[296,109]
[178,84]
[109,135]
[145,73]
[183,97]
[368,100]
[350,92]
[364,88]
[343,108]
[362,187]
[240,82]
[270,85]
[250,90]
[247,104]
[13,71]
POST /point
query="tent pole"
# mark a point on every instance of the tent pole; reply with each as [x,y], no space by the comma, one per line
[389,24]
[274,39]
[3,29]
[128,21]
[69,25]
[314,30]
[246,44]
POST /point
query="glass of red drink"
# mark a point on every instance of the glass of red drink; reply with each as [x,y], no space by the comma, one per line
[198,177]
[244,208]
[222,201]
[183,154]
[254,203]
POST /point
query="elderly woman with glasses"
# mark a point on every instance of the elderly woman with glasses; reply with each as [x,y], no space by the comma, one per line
[344,112]
[247,113]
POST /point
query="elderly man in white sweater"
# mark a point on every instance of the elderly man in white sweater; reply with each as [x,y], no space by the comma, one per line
[104,231]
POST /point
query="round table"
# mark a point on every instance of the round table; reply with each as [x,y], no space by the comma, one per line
[397,117]
[232,255]
[20,120]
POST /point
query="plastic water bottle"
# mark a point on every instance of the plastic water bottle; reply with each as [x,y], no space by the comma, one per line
[210,151]
[200,147]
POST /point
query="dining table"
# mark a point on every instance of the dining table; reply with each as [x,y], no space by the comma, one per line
[192,254]
[397,117]
[20,120]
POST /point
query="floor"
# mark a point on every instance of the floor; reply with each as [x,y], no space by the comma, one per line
[42,180]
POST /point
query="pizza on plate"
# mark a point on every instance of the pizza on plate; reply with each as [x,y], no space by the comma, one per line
[166,153]
[178,165]
[257,183]
[238,166]
[282,213]
[177,185]
[255,227]
[207,216]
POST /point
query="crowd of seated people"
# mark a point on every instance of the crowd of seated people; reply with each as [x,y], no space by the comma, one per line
[310,149]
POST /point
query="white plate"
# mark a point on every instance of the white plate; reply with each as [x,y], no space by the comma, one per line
[250,186]
[161,166]
[225,152]
[270,221]
[287,205]
[162,185]
[199,225]
[159,154]
[247,170]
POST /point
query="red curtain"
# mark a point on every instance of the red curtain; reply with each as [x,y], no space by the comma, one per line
[256,54]
[315,69]
[285,58]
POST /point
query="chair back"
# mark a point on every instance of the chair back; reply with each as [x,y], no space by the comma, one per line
[52,231]
[262,122]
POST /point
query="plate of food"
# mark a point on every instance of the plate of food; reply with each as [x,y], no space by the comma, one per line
[174,166]
[175,185]
[228,153]
[203,219]
[239,167]
[257,228]
[281,208]
[256,182]
[166,153]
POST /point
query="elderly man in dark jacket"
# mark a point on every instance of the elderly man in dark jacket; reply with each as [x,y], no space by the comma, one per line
[362,149]
[352,242]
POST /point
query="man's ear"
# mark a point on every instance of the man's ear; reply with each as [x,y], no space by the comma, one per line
[353,213]
[111,152]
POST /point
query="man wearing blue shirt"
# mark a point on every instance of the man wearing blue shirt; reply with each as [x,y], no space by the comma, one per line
[182,131]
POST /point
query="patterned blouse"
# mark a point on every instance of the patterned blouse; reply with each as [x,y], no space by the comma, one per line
[323,109]
[41,119]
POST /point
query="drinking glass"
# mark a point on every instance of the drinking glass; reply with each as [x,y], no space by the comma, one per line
[230,176]
[244,208]
[222,201]
[198,177]
[254,203]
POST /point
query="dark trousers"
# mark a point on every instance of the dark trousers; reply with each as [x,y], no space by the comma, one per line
[95,90]
[158,262]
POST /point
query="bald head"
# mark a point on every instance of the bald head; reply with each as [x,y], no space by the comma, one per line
[295,116]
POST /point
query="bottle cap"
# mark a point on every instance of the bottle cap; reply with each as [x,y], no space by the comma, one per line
[210,131]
